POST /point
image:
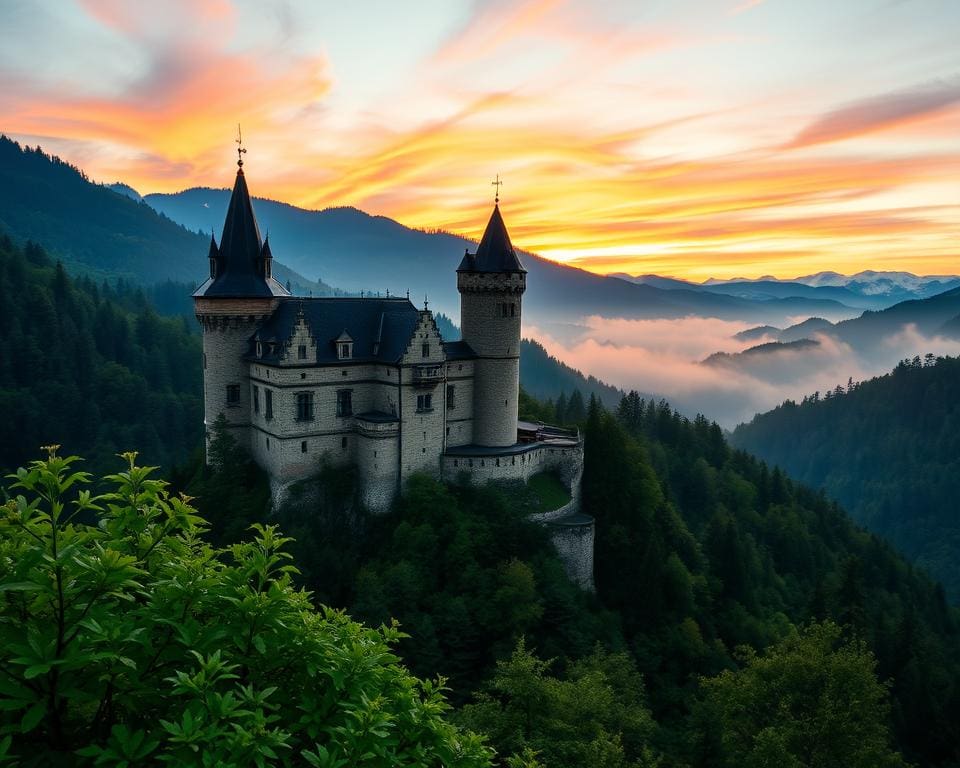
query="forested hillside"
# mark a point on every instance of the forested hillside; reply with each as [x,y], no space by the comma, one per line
[887,449]
[97,231]
[92,367]
[701,550]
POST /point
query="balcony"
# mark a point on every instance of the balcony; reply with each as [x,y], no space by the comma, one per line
[427,375]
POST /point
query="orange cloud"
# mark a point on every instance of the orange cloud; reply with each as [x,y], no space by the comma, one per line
[879,113]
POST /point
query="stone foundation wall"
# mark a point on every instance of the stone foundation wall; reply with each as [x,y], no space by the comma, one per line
[574,544]
[571,533]
[377,457]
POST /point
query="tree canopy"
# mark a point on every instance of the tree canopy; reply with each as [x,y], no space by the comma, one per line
[887,449]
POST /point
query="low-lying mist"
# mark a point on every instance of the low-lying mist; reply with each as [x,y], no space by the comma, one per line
[666,357]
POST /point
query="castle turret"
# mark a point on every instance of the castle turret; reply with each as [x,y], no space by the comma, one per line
[239,294]
[491,284]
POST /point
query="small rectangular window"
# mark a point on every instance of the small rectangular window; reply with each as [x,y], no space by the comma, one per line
[233,394]
[256,399]
[268,403]
[424,402]
[305,406]
[344,402]
[302,352]
[425,350]
[513,310]
[345,350]
[303,447]
[343,442]
[451,396]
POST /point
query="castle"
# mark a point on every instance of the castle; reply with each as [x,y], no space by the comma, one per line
[369,381]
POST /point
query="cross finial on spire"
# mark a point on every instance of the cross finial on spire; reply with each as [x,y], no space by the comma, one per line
[497,184]
[241,151]
[426,303]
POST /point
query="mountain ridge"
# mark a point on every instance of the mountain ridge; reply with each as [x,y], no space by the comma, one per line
[355,251]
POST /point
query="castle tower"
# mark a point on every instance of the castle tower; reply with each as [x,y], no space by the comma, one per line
[239,294]
[491,284]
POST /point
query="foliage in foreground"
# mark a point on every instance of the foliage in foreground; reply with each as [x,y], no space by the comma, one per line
[127,640]
[811,701]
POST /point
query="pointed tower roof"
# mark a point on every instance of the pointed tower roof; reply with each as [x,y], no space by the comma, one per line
[242,253]
[495,252]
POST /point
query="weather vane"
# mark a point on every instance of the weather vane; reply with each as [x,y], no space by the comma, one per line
[240,149]
[497,184]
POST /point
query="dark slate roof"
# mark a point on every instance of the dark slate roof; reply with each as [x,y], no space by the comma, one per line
[242,255]
[391,322]
[495,252]
[458,350]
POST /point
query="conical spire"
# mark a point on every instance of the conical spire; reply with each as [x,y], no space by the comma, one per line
[495,252]
[242,265]
[241,235]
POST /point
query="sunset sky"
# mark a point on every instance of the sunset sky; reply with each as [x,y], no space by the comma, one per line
[694,138]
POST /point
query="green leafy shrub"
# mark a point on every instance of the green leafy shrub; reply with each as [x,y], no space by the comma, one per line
[127,640]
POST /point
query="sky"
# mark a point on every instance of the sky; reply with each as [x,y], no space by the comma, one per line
[692,138]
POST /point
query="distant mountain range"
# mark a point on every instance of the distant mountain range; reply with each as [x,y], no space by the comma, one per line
[934,316]
[864,290]
[868,338]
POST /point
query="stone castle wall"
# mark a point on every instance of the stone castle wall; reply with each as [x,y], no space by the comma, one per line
[422,428]
[522,464]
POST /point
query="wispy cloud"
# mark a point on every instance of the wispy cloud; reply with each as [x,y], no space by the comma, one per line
[745,6]
[880,113]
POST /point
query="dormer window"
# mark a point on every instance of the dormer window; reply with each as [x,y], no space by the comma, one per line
[302,352]
[344,344]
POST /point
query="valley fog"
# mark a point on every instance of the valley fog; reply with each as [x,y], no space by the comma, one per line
[665,357]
